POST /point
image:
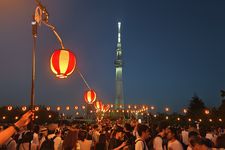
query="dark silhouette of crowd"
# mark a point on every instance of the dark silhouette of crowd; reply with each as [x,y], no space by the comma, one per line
[109,135]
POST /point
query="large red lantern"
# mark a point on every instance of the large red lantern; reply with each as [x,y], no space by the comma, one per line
[63,63]
[98,105]
[90,96]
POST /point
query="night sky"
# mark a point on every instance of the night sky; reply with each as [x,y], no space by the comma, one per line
[171,50]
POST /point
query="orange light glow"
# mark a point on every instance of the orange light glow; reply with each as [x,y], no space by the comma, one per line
[63,63]
[90,96]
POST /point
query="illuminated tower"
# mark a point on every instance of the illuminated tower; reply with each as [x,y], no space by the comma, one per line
[118,64]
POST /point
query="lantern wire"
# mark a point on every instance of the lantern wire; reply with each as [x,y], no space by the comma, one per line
[42,16]
[83,78]
[54,31]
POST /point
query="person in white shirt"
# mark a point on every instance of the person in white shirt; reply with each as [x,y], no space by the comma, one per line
[54,132]
[184,135]
[173,143]
[95,134]
[158,140]
[211,136]
[143,132]
[82,140]
[7,133]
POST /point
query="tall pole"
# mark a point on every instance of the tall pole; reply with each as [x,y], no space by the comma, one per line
[32,98]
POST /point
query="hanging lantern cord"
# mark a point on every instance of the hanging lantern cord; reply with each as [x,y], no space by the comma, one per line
[83,79]
[42,16]
[56,34]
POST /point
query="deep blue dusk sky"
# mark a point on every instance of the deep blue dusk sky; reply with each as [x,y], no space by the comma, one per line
[171,50]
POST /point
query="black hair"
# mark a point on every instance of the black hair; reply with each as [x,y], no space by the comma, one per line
[193,134]
[82,134]
[128,127]
[141,128]
[162,125]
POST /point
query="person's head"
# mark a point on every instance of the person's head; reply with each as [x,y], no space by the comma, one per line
[143,131]
[70,140]
[52,128]
[127,127]
[82,135]
[36,129]
[102,138]
[198,143]
[220,141]
[171,133]
[119,133]
[95,126]
[192,135]
[161,128]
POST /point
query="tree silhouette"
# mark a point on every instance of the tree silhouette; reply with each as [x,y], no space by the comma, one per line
[196,108]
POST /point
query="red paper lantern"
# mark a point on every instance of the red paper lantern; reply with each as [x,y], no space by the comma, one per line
[105,108]
[98,105]
[63,63]
[90,96]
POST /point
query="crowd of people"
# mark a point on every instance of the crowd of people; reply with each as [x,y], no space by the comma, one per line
[108,135]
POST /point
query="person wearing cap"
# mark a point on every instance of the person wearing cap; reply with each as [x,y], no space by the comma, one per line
[116,142]
[54,132]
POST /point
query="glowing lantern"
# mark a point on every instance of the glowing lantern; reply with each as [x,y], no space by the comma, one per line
[24,108]
[75,107]
[67,107]
[58,108]
[105,108]
[98,105]
[206,111]
[83,107]
[3,117]
[90,96]
[167,109]
[48,108]
[49,116]
[9,108]
[36,108]
[63,63]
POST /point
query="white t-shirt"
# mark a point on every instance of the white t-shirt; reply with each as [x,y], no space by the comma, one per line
[184,135]
[57,141]
[175,145]
[85,145]
[158,143]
